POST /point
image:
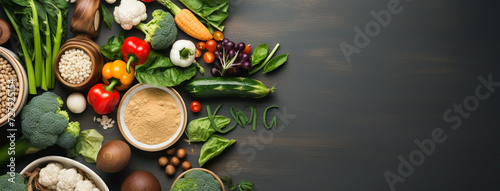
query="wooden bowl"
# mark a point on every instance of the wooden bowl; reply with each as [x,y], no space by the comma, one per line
[22,78]
[86,44]
[202,169]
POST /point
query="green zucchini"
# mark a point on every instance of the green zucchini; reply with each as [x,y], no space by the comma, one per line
[227,87]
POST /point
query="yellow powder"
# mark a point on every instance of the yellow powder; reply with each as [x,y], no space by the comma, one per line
[152,116]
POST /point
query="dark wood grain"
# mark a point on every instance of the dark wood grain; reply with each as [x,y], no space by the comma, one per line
[343,124]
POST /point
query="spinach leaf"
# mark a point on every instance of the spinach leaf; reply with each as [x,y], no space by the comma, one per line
[112,50]
[107,16]
[199,130]
[275,63]
[213,147]
[158,70]
[259,54]
[214,12]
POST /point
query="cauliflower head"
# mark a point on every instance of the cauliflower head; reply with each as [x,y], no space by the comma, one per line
[48,175]
[130,13]
[85,185]
[67,179]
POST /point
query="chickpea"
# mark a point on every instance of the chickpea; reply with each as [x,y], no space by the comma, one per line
[163,161]
[171,151]
[170,170]
[186,165]
[175,161]
[181,153]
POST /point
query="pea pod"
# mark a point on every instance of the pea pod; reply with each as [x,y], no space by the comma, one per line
[227,87]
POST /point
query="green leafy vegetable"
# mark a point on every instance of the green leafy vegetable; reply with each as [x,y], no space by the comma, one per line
[88,145]
[199,130]
[158,70]
[212,11]
[107,16]
[259,54]
[31,19]
[112,50]
[275,63]
[256,66]
[242,186]
[213,147]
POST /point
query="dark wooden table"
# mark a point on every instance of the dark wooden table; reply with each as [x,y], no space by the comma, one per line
[376,95]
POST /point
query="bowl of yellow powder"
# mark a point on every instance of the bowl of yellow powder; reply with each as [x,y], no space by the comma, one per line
[152,118]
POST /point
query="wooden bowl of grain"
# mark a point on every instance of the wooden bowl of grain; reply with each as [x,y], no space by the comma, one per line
[152,118]
[78,65]
[13,86]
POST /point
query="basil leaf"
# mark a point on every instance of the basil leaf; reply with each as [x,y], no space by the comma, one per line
[213,147]
[275,63]
[259,54]
[112,50]
[159,71]
[107,16]
[246,186]
[199,130]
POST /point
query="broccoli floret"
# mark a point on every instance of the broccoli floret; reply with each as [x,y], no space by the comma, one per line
[161,31]
[43,120]
[16,183]
[68,138]
[197,180]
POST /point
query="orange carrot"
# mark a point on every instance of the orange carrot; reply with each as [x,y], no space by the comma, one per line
[188,22]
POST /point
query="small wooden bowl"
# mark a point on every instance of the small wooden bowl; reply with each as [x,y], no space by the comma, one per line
[86,44]
[202,169]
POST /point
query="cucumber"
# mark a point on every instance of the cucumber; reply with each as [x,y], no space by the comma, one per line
[212,87]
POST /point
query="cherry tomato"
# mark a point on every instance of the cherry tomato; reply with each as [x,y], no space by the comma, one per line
[200,46]
[211,45]
[195,106]
[208,57]
[247,49]
[218,36]
[197,53]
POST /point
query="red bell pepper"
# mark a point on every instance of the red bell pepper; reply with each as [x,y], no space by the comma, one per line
[135,51]
[147,1]
[102,98]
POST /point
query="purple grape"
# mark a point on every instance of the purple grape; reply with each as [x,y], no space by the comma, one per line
[246,65]
[240,46]
[233,71]
[220,46]
[218,54]
[217,64]
[243,56]
[231,53]
[229,45]
[225,40]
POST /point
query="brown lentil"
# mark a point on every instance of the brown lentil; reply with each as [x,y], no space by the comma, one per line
[7,73]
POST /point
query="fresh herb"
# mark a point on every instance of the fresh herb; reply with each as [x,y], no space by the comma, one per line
[107,16]
[275,63]
[158,70]
[112,50]
[212,11]
[268,64]
[242,186]
[198,130]
[259,54]
[214,146]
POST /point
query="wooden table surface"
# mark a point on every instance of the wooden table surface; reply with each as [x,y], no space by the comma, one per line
[376,95]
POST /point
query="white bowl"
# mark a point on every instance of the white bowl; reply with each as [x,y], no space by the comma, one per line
[67,163]
[128,135]
[22,78]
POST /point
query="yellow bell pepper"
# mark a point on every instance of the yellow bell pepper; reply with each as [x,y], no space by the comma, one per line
[115,73]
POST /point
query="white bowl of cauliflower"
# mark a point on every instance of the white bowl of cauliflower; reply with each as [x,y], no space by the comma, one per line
[61,173]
